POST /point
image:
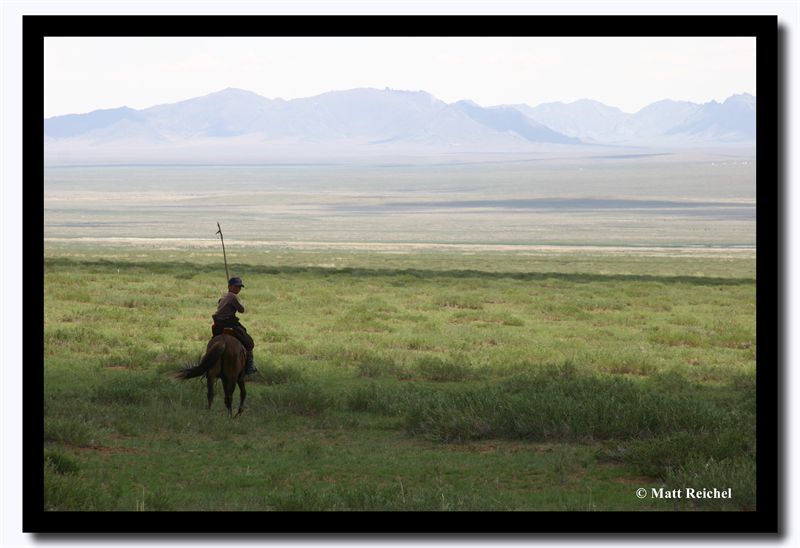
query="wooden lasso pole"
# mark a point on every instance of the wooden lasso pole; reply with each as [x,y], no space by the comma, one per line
[224,255]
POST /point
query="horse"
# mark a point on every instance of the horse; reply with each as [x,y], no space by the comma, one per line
[225,359]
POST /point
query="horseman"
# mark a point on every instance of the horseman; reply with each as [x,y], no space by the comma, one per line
[225,316]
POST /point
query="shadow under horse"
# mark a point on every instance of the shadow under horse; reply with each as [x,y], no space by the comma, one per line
[225,358]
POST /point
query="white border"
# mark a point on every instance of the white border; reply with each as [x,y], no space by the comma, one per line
[12,285]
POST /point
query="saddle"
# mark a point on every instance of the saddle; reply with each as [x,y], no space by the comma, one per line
[246,341]
[217,330]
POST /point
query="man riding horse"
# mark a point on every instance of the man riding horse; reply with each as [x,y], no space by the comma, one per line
[225,316]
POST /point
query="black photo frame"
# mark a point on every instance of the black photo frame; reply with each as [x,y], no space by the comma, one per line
[766,519]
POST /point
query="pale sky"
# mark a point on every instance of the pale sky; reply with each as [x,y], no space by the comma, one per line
[85,74]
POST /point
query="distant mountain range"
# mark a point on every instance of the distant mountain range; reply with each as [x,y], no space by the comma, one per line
[661,123]
[388,120]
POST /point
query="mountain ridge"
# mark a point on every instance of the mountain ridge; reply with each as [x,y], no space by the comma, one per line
[393,120]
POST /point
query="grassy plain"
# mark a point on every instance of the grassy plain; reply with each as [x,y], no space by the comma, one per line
[541,333]
[432,380]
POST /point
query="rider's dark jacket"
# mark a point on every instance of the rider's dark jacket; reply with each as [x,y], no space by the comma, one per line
[225,316]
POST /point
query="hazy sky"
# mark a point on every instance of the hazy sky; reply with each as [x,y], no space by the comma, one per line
[84,74]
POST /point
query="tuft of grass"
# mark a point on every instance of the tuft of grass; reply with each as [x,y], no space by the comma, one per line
[391,399]
[686,336]
[461,301]
[730,334]
[126,388]
[63,492]
[566,370]
[69,431]
[304,398]
[455,368]
[386,496]
[660,457]
[272,374]
[738,473]
[541,407]
[158,499]
[74,492]
[379,366]
[60,463]
[744,384]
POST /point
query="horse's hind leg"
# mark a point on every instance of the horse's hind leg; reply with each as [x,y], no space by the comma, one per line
[210,382]
[229,386]
[242,396]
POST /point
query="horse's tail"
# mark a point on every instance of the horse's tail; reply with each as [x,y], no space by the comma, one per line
[207,362]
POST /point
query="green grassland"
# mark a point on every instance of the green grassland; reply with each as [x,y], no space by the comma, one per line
[433,380]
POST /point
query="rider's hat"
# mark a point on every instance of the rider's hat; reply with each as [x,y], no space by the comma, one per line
[236,281]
